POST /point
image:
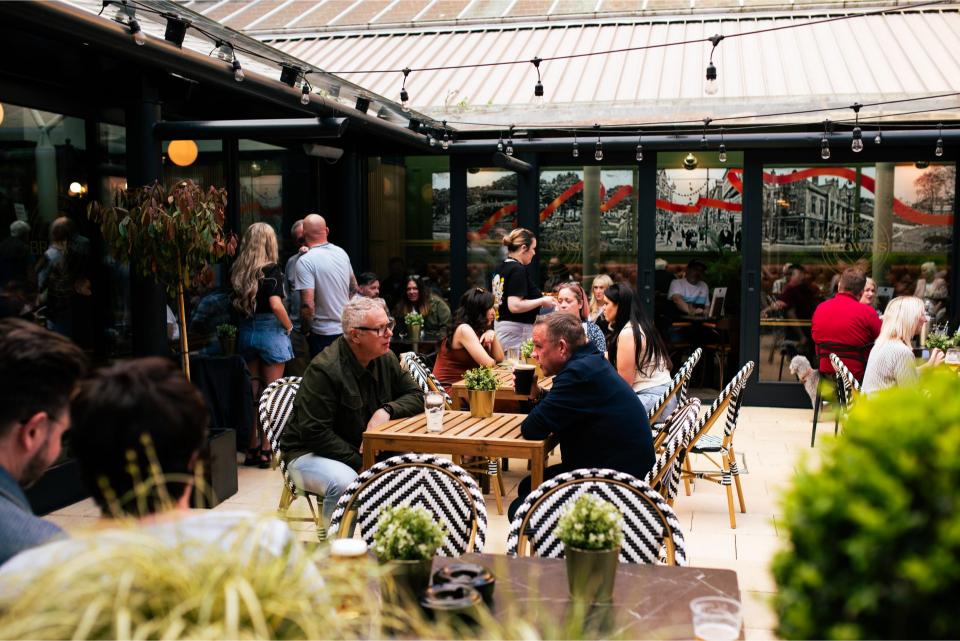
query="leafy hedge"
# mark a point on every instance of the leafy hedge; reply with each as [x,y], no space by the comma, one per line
[875,528]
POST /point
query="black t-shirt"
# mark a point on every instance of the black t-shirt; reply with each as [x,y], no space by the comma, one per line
[270,285]
[513,279]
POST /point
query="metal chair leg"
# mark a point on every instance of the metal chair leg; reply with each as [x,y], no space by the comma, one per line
[816,415]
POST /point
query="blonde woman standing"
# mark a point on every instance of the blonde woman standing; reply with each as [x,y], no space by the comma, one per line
[891,360]
[264,336]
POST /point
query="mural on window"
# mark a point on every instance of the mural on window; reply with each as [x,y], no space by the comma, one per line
[491,214]
[892,221]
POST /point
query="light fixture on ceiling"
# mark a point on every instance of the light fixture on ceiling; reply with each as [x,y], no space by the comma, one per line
[182,152]
[824,143]
[537,88]
[856,143]
[404,96]
[712,85]
[690,162]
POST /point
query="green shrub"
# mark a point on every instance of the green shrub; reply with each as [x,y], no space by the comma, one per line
[480,379]
[412,319]
[943,339]
[407,533]
[590,524]
[875,528]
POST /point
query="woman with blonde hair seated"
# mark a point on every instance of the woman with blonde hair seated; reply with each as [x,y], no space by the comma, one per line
[597,300]
[571,299]
[891,360]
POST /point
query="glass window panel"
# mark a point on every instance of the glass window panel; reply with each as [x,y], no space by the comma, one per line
[699,216]
[892,220]
[588,225]
[409,222]
[491,214]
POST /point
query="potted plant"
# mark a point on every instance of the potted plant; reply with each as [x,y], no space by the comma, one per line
[406,540]
[591,533]
[414,323]
[169,234]
[871,524]
[481,391]
[227,335]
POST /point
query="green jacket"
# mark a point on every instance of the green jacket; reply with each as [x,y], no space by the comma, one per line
[435,320]
[337,397]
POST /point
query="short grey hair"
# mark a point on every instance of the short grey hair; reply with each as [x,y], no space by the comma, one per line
[355,311]
[563,326]
[293,228]
[19,229]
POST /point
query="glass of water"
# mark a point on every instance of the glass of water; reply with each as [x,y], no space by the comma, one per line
[513,356]
[433,407]
[716,618]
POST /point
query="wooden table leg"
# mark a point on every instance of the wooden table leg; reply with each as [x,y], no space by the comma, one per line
[369,455]
[457,401]
[536,470]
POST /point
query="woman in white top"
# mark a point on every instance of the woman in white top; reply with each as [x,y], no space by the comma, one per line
[635,347]
[891,360]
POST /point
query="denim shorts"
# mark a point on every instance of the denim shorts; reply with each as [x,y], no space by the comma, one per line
[263,337]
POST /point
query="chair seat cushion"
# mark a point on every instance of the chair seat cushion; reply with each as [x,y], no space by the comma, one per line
[708,443]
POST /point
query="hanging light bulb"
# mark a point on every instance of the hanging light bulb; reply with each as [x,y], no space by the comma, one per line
[878,138]
[225,51]
[723,153]
[537,88]
[237,71]
[431,140]
[856,144]
[510,142]
[138,36]
[404,96]
[639,148]
[305,94]
[703,136]
[938,150]
[576,150]
[500,143]
[598,148]
[712,86]
[445,143]
[824,144]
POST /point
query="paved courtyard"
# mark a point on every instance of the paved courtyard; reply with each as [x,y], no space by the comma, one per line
[770,443]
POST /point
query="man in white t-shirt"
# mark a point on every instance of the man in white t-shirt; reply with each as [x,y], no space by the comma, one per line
[690,294]
[325,281]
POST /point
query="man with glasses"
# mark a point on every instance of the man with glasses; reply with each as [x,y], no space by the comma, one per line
[38,370]
[354,384]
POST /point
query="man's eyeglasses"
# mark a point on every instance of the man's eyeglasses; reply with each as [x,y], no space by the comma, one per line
[383,329]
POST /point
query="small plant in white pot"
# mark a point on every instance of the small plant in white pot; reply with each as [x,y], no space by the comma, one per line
[407,539]
[591,531]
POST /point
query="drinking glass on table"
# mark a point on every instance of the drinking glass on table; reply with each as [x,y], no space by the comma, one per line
[716,618]
[433,407]
[513,356]
[952,359]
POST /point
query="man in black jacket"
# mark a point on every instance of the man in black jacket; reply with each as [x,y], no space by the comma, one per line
[354,384]
[598,419]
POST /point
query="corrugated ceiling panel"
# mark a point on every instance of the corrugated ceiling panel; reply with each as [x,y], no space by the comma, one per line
[615,65]
[811,59]
[224,10]
[281,18]
[755,82]
[240,21]
[621,5]
[444,10]
[530,8]
[669,76]
[573,6]
[323,15]
[941,38]
[443,88]
[364,12]
[403,11]
[596,71]
[485,9]
[633,65]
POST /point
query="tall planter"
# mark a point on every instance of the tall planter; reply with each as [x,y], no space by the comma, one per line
[481,402]
[591,574]
[168,234]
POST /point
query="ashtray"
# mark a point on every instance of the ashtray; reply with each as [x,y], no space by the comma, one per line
[477,576]
[457,600]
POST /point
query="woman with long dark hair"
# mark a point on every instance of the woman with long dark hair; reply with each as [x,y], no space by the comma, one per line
[635,347]
[470,341]
[418,298]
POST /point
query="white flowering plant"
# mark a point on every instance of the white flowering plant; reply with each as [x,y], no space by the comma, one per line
[590,524]
[412,319]
[407,533]
[526,348]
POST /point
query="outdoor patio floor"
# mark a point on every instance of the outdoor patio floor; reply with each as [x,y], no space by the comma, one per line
[770,442]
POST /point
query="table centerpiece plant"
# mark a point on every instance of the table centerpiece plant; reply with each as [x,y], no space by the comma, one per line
[591,531]
[481,386]
[526,353]
[414,323]
[407,539]
[227,336]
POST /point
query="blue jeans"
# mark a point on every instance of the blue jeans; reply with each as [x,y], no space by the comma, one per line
[323,477]
[651,395]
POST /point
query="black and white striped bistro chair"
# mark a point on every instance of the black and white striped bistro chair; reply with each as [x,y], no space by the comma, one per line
[678,389]
[443,488]
[848,388]
[726,473]
[429,383]
[651,531]
[665,473]
[276,406]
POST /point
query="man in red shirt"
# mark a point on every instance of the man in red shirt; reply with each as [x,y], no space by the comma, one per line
[846,326]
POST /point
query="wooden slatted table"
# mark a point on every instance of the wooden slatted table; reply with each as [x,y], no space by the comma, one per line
[505,389]
[495,437]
